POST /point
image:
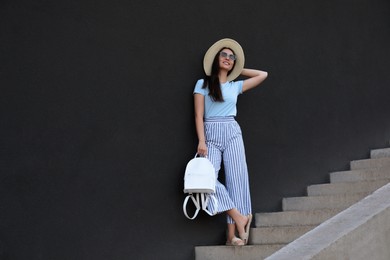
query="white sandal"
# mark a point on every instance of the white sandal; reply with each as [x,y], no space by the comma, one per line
[245,236]
[235,242]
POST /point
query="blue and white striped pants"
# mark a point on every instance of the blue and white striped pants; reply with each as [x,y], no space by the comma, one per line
[224,142]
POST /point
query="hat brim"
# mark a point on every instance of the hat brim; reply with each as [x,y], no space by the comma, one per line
[216,47]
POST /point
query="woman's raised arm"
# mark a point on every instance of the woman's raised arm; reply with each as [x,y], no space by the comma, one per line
[255,77]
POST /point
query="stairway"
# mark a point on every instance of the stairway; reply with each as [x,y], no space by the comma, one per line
[301,214]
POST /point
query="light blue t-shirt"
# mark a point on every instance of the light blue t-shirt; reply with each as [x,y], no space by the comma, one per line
[230,91]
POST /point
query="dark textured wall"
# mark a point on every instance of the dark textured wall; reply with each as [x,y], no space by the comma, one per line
[97,115]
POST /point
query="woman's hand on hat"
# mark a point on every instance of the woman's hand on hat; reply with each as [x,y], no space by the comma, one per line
[255,77]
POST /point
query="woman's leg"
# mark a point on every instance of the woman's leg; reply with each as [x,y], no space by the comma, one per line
[215,144]
[224,202]
[236,174]
[237,184]
[240,223]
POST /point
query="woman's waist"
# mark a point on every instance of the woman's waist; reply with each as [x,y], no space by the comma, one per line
[219,119]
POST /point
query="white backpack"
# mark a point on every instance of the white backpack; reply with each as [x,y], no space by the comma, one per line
[199,180]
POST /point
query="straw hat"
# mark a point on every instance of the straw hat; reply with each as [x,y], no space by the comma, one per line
[216,47]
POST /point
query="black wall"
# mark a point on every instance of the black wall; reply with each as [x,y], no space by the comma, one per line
[97,114]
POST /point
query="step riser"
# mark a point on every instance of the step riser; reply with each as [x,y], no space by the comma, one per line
[360,175]
[380,153]
[370,163]
[294,218]
[343,188]
[323,202]
[235,252]
[277,235]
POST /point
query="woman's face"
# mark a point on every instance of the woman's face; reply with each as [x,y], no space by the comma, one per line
[226,59]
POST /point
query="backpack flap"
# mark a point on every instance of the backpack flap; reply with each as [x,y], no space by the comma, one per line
[199,176]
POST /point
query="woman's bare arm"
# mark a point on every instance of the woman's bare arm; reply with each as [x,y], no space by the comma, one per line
[255,77]
[199,114]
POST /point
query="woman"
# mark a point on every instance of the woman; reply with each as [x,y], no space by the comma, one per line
[219,135]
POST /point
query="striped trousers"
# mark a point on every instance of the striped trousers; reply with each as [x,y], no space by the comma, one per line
[224,143]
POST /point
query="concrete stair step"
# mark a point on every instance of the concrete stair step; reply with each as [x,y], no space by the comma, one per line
[360,232]
[360,175]
[346,187]
[380,153]
[370,163]
[342,201]
[249,252]
[277,235]
[294,218]
[302,214]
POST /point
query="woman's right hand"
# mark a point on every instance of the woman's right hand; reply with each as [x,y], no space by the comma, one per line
[202,148]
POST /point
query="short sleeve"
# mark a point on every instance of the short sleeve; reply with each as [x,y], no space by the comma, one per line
[198,88]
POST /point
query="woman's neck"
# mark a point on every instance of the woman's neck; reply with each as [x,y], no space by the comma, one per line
[222,76]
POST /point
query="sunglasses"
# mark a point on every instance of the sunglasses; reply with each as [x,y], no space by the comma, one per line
[225,55]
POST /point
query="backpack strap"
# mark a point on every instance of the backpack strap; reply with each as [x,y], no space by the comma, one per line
[205,201]
[196,203]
